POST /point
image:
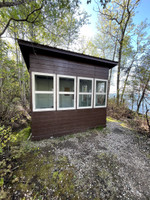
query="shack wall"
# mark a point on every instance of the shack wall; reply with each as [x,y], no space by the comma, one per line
[57,123]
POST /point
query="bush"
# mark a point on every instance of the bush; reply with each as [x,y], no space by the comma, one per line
[21,136]
[5,134]
[123,113]
[119,111]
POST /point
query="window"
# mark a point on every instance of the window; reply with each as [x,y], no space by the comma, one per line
[43,92]
[100,93]
[66,92]
[85,92]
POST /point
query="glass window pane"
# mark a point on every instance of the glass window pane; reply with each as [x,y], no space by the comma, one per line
[100,86]
[66,84]
[84,100]
[66,100]
[100,100]
[85,85]
[44,101]
[43,83]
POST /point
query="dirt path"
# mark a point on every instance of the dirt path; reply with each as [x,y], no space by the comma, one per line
[117,156]
[104,164]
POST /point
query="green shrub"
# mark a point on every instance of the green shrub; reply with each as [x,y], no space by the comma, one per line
[12,147]
[21,136]
[5,134]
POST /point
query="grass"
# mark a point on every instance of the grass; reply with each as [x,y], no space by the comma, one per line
[123,124]
[110,119]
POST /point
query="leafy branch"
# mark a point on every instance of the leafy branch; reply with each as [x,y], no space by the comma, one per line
[10,4]
[23,20]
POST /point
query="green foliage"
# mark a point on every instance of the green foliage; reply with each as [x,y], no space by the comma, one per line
[14,84]
[12,147]
[5,136]
[21,136]
[100,128]
[50,22]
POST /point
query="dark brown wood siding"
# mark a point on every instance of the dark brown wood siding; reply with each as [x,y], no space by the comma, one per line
[57,123]
[47,64]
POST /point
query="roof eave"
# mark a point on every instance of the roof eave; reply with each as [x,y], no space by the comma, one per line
[28,47]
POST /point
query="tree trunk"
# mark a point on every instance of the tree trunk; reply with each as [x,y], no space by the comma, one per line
[1,81]
[125,83]
[142,96]
[128,73]
[132,102]
[147,119]
[118,73]
[109,80]
[23,78]
[110,71]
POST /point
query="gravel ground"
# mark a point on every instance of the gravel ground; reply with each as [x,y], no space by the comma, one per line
[112,163]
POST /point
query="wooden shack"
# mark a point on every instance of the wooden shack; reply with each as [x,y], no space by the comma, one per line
[68,90]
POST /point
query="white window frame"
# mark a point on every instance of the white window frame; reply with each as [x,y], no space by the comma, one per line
[100,93]
[84,93]
[60,92]
[43,92]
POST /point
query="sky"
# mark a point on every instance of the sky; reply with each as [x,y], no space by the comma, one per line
[88,31]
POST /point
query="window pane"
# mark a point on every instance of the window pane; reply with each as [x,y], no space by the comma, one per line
[85,85]
[66,100]
[84,100]
[43,83]
[100,100]
[44,100]
[66,84]
[100,86]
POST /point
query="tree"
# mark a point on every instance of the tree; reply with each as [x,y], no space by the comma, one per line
[132,53]
[86,46]
[45,21]
[139,82]
[49,22]
[10,4]
[9,12]
[10,91]
[106,43]
[143,76]
[121,13]
[102,2]
[53,20]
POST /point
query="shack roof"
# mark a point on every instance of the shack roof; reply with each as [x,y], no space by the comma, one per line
[31,47]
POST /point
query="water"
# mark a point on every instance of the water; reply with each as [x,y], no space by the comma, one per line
[142,109]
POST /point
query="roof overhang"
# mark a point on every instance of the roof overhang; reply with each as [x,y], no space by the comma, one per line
[30,47]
